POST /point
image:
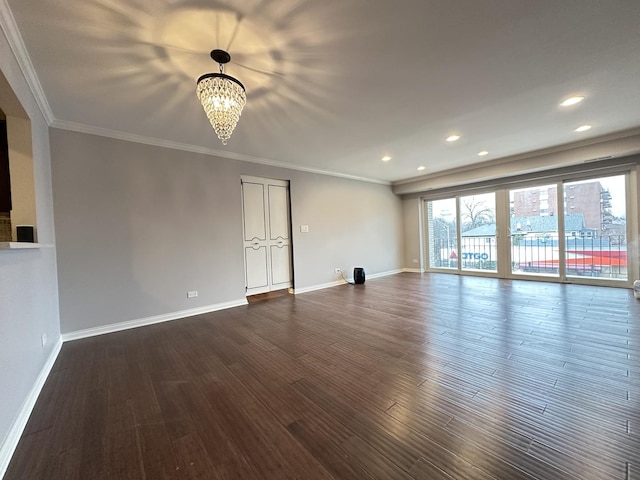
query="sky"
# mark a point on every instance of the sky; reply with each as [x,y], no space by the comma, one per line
[616,186]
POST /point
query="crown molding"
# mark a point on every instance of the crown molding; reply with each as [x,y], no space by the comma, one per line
[157,142]
[557,149]
[11,32]
[602,148]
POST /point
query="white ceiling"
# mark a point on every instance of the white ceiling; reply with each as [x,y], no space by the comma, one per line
[334,85]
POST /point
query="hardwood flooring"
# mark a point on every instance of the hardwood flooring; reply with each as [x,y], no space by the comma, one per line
[405,377]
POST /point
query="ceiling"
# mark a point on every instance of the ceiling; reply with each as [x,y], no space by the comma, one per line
[334,85]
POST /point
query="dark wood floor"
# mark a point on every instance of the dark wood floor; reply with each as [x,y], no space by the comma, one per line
[407,376]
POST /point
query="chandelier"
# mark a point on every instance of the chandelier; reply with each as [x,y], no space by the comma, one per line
[222,96]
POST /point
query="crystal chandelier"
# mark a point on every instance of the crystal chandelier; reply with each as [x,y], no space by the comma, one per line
[222,96]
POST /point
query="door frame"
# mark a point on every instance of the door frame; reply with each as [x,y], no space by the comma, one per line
[269,268]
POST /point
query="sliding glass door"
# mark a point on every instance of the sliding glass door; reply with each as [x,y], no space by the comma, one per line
[470,247]
[570,229]
[533,231]
[595,225]
[478,232]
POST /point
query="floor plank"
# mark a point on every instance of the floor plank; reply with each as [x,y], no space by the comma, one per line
[406,377]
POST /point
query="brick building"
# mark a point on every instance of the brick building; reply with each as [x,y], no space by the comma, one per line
[579,198]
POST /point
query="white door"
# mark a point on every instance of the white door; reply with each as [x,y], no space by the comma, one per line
[267,242]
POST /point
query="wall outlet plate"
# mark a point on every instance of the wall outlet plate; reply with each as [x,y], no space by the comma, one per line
[192,294]
[338,271]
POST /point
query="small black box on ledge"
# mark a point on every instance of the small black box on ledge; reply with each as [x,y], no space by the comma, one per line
[25,233]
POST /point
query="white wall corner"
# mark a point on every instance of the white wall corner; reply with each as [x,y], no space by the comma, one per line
[321,286]
[412,270]
[10,443]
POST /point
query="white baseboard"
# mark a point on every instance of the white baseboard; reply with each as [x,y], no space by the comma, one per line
[321,286]
[412,270]
[15,432]
[141,322]
[297,291]
[385,274]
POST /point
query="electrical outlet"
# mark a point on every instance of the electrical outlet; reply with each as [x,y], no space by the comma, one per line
[338,271]
[415,260]
[192,294]
[43,339]
[304,228]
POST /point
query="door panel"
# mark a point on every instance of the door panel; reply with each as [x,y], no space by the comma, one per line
[256,262]
[535,240]
[595,225]
[278,212]
[280,267]
[478,232]
[254,211]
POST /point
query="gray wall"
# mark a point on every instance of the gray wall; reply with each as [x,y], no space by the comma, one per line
[138,226]
[411,212]
[28,284]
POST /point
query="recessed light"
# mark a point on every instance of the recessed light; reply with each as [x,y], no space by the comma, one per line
[583,128]
[386,158]
[483,153]
[421,167]
[571,101]
[453,138]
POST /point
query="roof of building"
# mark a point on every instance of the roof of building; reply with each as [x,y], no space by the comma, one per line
[488,230]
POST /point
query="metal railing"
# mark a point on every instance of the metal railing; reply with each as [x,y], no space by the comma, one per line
[602,257]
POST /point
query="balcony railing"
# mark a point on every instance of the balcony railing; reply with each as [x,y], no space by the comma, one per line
[603,257]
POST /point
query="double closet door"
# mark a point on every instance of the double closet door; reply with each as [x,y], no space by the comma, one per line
[267,234]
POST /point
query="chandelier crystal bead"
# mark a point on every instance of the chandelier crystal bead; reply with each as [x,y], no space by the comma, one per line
[222,97]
